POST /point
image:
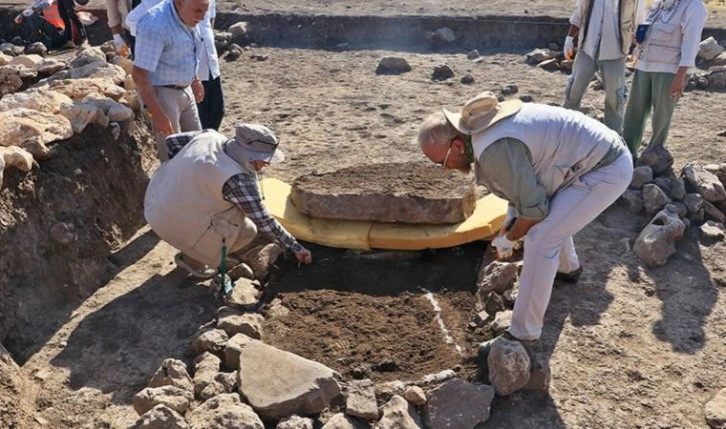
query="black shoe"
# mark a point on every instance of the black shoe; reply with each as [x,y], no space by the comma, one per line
[571,277]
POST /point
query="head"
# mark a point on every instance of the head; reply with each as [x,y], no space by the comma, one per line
[442,143]
[254,145]
[191,12]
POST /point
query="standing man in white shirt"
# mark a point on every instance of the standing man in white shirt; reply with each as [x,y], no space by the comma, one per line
[604,31]
[211,108]
[668,50]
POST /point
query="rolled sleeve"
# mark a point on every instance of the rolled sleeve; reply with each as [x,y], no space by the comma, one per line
[576,18]
[509,163]
[149,45]
[114,15]
[692,25]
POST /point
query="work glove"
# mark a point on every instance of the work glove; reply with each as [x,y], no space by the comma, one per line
[569,48]
[120,43]
[504,246]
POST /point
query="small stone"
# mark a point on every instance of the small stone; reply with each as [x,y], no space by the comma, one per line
[502,321]
[694,202]
[526,98]
[709,49]
[656,157]
[393,65]
[641,176]
[442,72]
[510,89]
[712,232]
[656,242]
[415,396]
[361,400]
[654,198]
[715,411]
[549,65]
[509,366]
[472,55]
[467,79]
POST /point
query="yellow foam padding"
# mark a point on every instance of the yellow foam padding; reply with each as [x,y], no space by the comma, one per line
[348,234]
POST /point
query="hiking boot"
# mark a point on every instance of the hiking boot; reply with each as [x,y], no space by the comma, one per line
[571,277]
[199,271]
[241,270]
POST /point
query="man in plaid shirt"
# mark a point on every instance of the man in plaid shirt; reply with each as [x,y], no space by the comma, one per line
[208,194]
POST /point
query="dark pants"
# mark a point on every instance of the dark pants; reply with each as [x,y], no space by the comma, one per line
[211,109]
[43,31]
[67,12]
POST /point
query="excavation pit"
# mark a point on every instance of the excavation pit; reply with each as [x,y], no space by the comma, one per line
[387,316]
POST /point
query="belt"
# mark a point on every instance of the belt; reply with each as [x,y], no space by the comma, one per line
[179,87]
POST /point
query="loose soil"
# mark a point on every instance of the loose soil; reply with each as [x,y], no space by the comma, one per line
[628,346]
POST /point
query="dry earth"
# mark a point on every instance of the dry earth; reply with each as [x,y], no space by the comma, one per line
[630,347]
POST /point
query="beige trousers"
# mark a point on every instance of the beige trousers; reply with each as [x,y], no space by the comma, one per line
[181,108]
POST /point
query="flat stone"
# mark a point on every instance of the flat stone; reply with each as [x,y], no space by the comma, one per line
[278,384]
[361,400]
[391,193]
[704,182]
[295,422]
[457,404]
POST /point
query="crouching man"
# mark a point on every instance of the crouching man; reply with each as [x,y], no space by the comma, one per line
[558,168]
[207,195]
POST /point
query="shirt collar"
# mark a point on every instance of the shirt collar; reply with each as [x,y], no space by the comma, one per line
[176,16]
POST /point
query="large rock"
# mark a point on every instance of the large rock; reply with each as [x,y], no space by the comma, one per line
[35,99]
[210,340]
[715,411]
[654,198]
[33,130]
[656,241]
[361,400]
[223,412]
[406,193]
[632,200]
[399,414]
[509,366]
[77,89]
[99,71]
[172,372]
[393,65]
[29,61]
[206,367]
[656,157]
[496,276]
[641,176]
[234,322]
[88,56]
[115,111]
[717,77]
[704,182]
[709,49]
[49,66]
[14,156]
[173,397]
[10,79]
[457,404]
[295,422]
[279,384]
[82,114]
[161,417]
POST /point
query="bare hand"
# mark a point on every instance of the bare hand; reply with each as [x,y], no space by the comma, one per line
[198,90]
[304,256]
[162,124]
[677,86]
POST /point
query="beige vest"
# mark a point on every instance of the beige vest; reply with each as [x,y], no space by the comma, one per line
[663,42]
[564,145]
[184,204]
[626,19]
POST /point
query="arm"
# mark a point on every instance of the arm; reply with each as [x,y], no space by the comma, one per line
[509,162]
[575,24]
[160,121]
[694,19]
[176,142]
[241,190]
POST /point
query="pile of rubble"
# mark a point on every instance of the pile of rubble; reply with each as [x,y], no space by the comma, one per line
[45,101]
[676,203]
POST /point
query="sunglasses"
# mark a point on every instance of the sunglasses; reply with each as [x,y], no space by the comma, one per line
[262,145]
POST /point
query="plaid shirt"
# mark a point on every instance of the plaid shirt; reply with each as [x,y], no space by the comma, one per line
[242,190]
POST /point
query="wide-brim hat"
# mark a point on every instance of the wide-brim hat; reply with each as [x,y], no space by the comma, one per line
[254,142]
[481,112]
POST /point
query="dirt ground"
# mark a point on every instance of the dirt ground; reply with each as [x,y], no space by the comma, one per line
[629,347]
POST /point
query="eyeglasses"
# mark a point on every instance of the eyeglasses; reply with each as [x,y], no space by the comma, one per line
[448,152]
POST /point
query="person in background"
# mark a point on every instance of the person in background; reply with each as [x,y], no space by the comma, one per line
[671,37]
[45,24]
[207,195]
[67,11]
[211,108]
[117,11]
[165,67]
[558,168]
[604,30]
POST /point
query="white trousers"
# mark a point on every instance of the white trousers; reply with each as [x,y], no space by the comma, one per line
[548,246]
